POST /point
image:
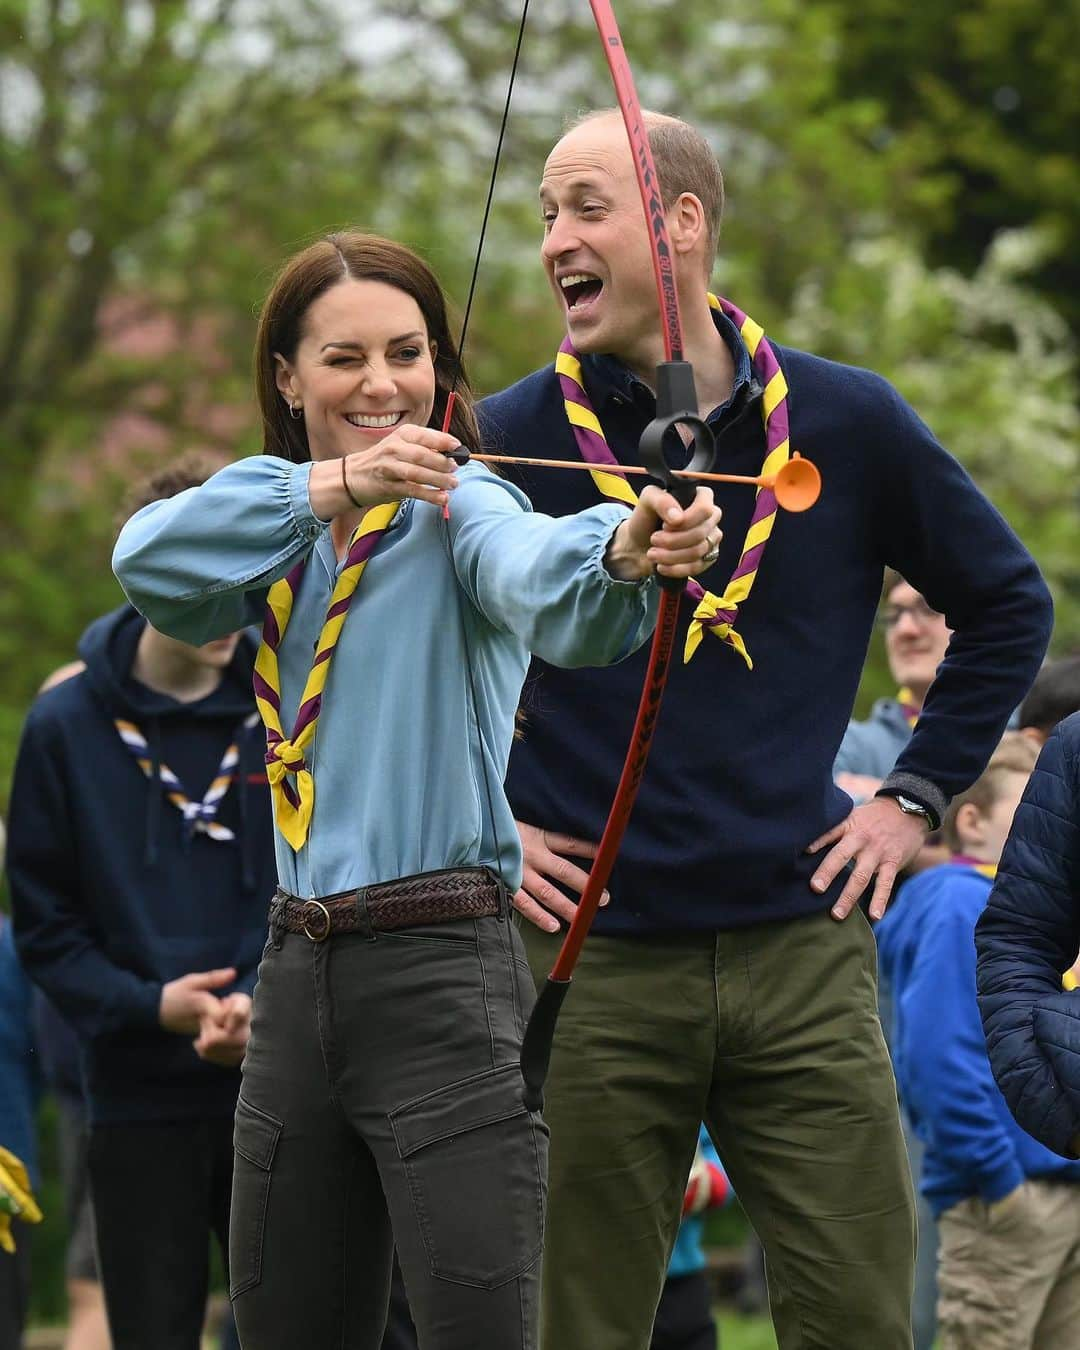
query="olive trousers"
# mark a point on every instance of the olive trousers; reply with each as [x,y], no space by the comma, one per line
[769,1034]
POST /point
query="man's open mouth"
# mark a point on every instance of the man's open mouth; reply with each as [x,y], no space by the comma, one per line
[580,290]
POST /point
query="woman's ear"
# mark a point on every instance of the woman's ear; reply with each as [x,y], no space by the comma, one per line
[285,378]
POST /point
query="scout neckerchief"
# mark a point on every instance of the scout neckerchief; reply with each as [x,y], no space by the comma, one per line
[200,817]
[286,755]
[983,868]
[717,613]
[908,706]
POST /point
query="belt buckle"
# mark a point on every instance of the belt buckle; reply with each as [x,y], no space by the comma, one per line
[325,933]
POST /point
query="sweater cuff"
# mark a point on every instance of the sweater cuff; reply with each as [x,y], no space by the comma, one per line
[146,1011]
[920,790]
[307,523]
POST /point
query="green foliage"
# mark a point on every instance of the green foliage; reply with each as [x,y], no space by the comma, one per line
[744,1333]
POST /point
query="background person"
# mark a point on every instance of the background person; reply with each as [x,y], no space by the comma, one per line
[140,862]
[1008,1209]
[684,1317]
[1054,696]
[916,640]
[1028,935]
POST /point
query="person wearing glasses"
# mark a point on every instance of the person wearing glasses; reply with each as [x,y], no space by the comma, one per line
[916,637]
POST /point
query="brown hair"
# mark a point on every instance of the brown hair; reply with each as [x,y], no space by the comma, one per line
[1053,696]
[191,469]
[684,163]
[1015,754]
[337,257]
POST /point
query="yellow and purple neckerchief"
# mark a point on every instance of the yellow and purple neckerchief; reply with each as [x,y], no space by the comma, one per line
[985,869]
[908,706]
[199,816]
[285,756]
[717,613]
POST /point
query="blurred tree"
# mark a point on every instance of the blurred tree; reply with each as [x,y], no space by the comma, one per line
[986,93]
[989,365]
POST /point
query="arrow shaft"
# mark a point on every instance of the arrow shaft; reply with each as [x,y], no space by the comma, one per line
[761,480]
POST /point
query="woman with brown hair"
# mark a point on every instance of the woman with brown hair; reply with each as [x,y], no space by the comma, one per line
[381,1097]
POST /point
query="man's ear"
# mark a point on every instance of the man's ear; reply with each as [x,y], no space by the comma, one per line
[686,223]
[285,377]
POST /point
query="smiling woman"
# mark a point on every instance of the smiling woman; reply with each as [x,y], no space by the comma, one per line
[382,1100]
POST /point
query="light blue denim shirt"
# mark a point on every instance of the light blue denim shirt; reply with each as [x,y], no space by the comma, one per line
[401,749]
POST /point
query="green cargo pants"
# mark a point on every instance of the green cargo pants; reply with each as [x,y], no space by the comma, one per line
[771,1035]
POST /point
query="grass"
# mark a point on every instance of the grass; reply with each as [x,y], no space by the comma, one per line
[745,1333]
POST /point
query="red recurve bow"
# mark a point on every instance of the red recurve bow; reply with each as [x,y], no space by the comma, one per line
[676,405]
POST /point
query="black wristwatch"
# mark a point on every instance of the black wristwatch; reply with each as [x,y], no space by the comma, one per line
[913,808]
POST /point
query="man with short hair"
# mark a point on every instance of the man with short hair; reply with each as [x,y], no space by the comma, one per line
[141,863]
[916,640]
[732,976]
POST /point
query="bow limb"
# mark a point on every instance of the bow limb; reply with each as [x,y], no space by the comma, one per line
[676,404]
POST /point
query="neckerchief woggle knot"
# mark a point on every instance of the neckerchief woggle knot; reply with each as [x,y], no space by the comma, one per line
[715,613]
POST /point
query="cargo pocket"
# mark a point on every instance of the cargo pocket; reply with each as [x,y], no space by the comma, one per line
[255,1137]
[476,1162]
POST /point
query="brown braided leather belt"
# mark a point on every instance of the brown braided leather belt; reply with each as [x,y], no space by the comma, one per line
[428,897]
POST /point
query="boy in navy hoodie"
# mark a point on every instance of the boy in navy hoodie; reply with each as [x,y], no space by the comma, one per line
[1007,1208]
[141,863]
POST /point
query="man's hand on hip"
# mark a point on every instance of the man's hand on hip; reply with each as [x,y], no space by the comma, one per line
[877,838]
[538,900]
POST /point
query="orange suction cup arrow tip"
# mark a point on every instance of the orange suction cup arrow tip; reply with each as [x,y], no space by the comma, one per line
[797,485]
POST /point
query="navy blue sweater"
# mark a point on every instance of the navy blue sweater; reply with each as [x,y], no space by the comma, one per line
[740,778]
[1028,936]
[111,900]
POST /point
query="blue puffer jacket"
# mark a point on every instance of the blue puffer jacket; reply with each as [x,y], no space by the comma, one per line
[1028,935]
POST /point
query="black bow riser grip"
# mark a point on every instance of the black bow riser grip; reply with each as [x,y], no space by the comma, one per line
[536,1043]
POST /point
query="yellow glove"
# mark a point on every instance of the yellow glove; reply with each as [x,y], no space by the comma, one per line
[16,1199]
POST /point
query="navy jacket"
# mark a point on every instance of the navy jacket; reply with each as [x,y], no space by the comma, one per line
[927,955]
[740,777]
[1028,936]
[111,898]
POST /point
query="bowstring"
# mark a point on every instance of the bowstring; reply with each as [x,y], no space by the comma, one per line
[447,416]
